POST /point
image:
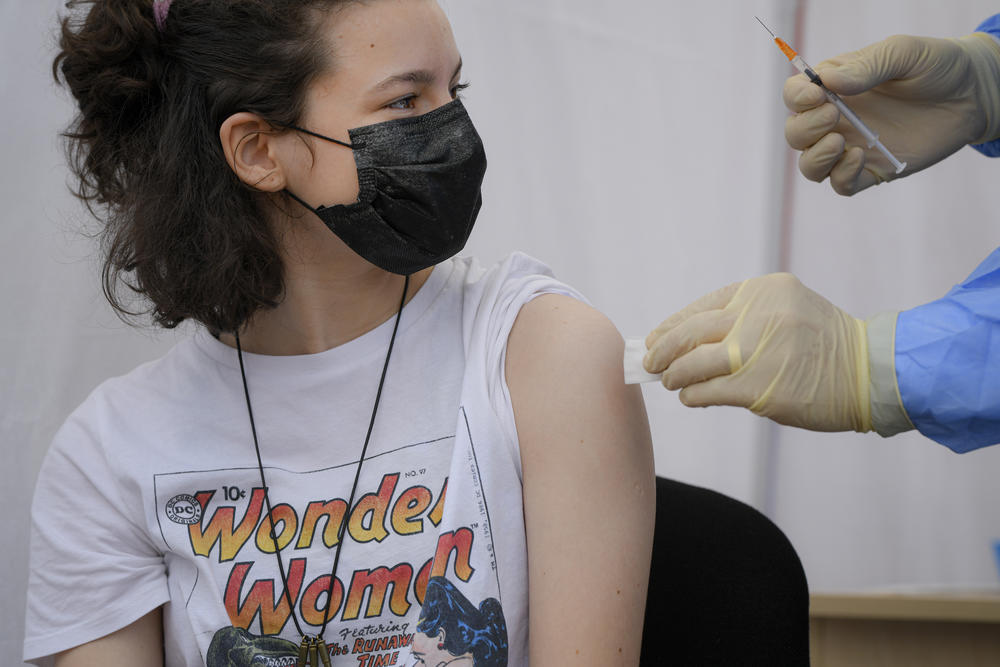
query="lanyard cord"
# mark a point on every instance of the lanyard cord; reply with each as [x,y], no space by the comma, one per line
[354,488]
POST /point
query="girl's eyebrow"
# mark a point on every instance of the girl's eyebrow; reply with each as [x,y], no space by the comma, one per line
[422,76]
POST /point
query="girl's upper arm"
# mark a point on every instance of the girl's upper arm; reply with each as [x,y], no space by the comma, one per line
[589,489]
[139,643]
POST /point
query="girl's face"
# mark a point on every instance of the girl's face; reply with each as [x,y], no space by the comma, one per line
[425,650]
[391,59]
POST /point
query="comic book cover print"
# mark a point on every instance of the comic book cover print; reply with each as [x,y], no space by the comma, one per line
[451,631]
[404,571]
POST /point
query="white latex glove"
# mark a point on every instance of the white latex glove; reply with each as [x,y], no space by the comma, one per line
[773,346]
[924,97]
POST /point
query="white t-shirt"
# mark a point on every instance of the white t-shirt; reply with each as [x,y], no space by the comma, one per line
[150,494]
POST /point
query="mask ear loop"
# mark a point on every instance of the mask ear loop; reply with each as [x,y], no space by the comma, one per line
[353,147]
[324,137]
[301,201]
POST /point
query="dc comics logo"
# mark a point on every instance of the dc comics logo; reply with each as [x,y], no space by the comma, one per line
[184,509]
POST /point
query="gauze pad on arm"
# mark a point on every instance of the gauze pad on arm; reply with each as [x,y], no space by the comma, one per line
[635,350]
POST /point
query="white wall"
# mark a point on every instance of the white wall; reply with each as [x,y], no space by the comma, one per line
[636,146]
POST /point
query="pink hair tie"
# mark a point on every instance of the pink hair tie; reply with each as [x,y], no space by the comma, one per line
[160,10]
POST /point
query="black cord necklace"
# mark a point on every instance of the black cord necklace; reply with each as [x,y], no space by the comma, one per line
[313,648]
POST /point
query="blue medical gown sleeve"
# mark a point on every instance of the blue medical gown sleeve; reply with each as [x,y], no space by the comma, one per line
[948,362]
[990,26]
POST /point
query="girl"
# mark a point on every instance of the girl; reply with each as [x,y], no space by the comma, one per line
[358,414]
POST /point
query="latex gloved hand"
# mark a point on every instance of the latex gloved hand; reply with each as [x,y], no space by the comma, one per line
[924,97]
[772,345]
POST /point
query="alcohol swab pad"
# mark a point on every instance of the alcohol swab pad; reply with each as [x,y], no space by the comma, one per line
[635,350]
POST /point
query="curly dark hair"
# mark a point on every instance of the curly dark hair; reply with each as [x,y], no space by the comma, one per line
[179,228]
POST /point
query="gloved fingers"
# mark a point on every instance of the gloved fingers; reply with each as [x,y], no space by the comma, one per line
[702,363]
[804,129]
[818,160]
[722,390]
[693,333]
[852,73]
[716,300]
[849,175]
[800,94]
[982,52]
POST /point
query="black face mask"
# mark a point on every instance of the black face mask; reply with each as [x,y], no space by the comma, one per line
[420,180]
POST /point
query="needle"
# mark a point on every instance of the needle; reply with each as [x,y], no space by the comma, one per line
[870,137]
[766,28]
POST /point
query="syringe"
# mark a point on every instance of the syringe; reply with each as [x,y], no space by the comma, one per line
[845,111]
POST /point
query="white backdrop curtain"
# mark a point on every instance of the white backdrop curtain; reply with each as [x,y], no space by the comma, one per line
[636,146]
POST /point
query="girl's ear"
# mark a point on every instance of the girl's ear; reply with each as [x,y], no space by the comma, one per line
[250,146]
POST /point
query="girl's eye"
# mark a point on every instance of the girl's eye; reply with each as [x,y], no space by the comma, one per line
[456,92]
[403,103]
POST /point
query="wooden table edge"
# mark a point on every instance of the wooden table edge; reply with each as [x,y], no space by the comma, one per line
[906,607]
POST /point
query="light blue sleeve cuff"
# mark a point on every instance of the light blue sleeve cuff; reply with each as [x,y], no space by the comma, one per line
[948,362]
[888,415]
[990,26]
